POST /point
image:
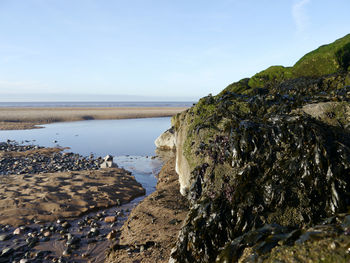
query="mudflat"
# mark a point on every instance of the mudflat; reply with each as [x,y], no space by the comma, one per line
[12,118]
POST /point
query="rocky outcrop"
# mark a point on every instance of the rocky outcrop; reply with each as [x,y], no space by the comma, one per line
[266,156]
[167,140]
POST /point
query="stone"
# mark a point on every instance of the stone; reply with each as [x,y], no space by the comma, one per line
[108,162]
[110,219]
[66,225]
[18,231]
[5,237]
[112,235]
[167,140]
[251,156]
[67,252]
[7,251]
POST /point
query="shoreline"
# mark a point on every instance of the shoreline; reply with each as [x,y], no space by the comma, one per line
[45,184]
[70,214]
[16,118]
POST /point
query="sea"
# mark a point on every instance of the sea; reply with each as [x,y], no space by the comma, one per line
[98,104]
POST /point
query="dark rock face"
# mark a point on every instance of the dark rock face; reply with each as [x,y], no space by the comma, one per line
[258,161]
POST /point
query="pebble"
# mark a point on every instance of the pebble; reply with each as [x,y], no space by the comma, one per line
[5,237]
[66,225]
[47,234]
[17,231]
[67,252]
[6,251]
[36,163]
[112,235]
[110,219]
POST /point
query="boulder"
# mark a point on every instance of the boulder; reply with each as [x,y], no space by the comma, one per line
[167,140]
[264,160]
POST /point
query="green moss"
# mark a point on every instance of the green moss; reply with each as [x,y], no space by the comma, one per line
[327,250]
[240,87]
[271,75]
[347,80]
[286,217]
[326,59]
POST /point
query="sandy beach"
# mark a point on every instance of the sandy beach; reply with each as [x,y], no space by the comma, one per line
[26,118]
[49,196]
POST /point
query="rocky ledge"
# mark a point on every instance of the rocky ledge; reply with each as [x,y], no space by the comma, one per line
[265,165]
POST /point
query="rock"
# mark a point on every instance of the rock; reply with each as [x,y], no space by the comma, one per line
[47,233]
[7,251]
[108,162]
[112,234]
[166,140]
[73,240]
[250,157]
[110,219]
[67,252]
[66,225]
[17,231]
[5,237]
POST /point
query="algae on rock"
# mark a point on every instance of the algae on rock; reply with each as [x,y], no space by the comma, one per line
[251,157]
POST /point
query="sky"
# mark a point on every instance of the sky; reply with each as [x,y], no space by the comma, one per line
[167,50]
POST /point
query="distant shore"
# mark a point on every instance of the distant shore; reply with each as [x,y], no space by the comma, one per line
[20,118]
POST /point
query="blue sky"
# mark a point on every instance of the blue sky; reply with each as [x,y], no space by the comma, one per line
[153,50]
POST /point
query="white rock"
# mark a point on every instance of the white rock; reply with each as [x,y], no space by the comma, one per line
[108,162]
[166,140]
[17,231]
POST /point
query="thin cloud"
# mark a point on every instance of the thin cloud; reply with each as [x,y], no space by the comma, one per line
[299,15]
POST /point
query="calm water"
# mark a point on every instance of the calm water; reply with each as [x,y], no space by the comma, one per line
[130,141]
[100,137]
[99,104]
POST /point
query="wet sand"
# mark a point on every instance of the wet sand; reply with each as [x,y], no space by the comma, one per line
[151,230]
[47,196]
[27,118]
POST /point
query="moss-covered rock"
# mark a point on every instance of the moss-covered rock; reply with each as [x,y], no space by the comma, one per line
[327,59]
[253,157]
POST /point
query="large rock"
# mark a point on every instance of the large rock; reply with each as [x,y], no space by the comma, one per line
[250,158]
[332,113]
[108,162]
[166,140]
